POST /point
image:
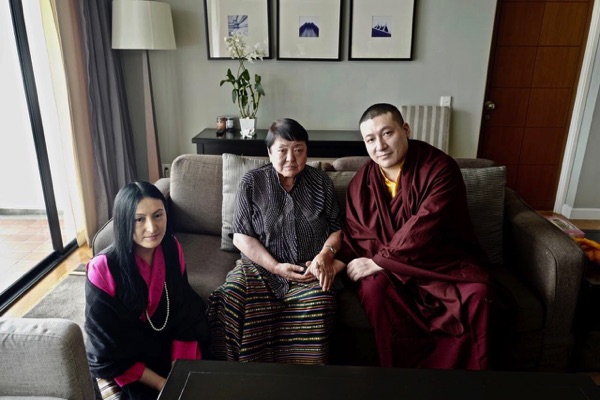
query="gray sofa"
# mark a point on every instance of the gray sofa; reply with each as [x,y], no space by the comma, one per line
[43,358]
[537,269]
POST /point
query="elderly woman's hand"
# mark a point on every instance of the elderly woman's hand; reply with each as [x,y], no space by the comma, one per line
[292,272]
[322,267]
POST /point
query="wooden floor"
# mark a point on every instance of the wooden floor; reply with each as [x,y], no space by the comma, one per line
[79,256]
[586,223]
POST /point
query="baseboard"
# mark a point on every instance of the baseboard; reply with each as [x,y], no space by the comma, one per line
[581,213]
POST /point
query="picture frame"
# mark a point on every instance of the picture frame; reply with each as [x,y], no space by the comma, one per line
[381,29]
[309,30]
[251,18]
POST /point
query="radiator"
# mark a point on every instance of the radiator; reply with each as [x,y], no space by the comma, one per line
[430,124]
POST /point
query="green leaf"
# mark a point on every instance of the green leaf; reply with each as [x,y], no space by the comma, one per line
[259,89]
[233,95]
[245,75]
[244,99]
[230,75]
[257,78]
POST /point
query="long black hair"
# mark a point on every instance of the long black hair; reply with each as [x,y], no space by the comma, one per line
[133,291]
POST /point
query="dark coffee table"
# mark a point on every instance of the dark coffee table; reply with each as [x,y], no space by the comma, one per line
[230,380]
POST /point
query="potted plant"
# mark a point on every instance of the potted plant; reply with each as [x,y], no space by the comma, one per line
[246,93]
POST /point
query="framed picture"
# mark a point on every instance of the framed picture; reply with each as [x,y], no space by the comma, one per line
[309,29]
[250,18]
[381,29]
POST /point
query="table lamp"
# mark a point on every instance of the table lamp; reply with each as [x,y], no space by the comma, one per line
[144,25]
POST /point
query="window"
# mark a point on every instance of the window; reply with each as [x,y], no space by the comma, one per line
[37,206]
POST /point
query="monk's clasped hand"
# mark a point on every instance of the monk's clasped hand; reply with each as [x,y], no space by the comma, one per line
[361,267]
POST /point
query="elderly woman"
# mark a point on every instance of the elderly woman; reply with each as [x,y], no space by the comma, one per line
[277,304]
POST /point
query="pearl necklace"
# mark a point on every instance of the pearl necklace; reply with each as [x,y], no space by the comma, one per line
[166,318]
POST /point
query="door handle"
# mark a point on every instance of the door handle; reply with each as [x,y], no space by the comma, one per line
[489,105]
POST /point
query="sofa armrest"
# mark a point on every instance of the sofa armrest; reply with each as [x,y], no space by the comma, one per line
[164,185]
[551,263]
[105,235]
[44,357]
[103,238]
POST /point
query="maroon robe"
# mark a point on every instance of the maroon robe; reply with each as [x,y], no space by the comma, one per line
[429,307]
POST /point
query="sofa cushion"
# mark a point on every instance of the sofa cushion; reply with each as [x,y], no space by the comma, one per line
[234,168]
[353,163]
[485,197]
[196,190]
[521,308]
[474,163]
[350,163]
[341,179]
[350,312]
[207,265]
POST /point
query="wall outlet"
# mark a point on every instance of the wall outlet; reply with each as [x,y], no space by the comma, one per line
[166,170]
[446,101]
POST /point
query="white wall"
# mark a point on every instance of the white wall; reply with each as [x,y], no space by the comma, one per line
[579,193]
[588,188]
[450,57]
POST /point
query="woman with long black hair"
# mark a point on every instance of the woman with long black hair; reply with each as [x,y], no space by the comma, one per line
[141,312]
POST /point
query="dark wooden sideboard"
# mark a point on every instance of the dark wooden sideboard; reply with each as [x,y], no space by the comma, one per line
[321,143]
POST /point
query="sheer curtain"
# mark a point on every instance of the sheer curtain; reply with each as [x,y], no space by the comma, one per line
[60,139]
[102,135]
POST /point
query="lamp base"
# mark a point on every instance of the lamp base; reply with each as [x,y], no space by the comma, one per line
[151,134]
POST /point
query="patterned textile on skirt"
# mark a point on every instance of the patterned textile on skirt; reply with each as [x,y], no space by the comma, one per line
[248,322]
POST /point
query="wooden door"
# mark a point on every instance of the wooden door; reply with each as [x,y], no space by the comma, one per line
[536,56]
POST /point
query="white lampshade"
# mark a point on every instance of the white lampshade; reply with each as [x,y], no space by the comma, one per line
[142,25]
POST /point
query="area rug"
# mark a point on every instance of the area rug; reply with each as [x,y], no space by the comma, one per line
[66,300]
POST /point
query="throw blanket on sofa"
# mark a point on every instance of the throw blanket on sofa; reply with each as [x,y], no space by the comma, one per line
[590,248]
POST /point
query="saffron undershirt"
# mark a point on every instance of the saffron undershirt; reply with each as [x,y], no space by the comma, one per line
[392,186]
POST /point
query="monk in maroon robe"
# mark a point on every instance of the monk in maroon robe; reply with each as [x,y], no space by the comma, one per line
[410,246]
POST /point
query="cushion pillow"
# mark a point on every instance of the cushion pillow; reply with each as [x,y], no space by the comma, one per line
[485,197]
[341,179]
[234,167]
[350,163]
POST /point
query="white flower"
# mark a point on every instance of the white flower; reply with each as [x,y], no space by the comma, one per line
[246,91]
[237,48]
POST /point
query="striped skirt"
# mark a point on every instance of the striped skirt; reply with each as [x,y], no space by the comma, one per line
[249,323]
